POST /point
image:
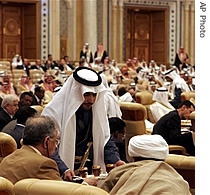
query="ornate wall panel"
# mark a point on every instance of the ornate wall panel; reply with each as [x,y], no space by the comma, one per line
[44,29]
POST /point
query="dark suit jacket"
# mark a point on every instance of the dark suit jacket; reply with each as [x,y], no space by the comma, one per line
[16,132]
[169,127]
[105,54]
[26,69]
[34,101]
[37,67]
[26,163]
[85,55]
[4,118]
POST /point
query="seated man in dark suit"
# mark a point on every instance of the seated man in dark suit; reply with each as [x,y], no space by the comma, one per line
[25,66]
[9,107]
[38,97]
[169,126]
[23,113]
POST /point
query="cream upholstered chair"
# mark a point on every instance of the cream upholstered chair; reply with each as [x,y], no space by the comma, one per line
[134,115]
[17,74]
[5,65]
[51,187]
[7,145]
[38,108]
[35,75]
[192,118]
[127,81]
[185,166]
[6,187]
[145,98]
[177,149]
[188,96]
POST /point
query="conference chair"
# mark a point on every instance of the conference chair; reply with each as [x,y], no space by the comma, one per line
[134,115]
[185,166]
[6,187]
[145,98]
[34,186]
[7,145]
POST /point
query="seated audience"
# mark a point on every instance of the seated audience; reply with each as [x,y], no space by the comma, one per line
[124,95]
[169,126]
[47,82]
[7,87]
[22,114]
[66,58]
[63,66]
[148,174]
[32,160]
[179,85]
[17,60]
[111,100]
[9,107]
[161,106]
[38,97]
[50,63]
[25,99]
[38,65]
[25,85]
[25,66]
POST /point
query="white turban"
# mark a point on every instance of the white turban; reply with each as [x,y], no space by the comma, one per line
[148,146]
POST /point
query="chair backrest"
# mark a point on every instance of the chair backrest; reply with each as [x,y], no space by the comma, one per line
[52,187]
[5,65]
[134,115]
[184,165]
[35,75]
[187,96]
[18,72]
[177,149]
[38,108]
[127,81]
[6,187]
[7,145]
[192,118]
[145,98]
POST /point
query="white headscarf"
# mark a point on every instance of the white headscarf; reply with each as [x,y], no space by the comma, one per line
[126,97]
[161,95]
[148,146]
[63,107]
[177,81]
[161,106]
[111,101]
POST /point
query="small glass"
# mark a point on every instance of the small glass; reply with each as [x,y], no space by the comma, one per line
[83,172]
[96,170]
[109,167]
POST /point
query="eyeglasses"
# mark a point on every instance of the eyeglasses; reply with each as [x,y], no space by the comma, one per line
[57,141]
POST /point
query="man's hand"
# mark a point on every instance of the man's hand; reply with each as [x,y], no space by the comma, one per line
[68,174]
[93,181]
[118,163]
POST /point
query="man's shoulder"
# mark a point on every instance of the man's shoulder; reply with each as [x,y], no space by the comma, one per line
[29,155]
[4,115]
